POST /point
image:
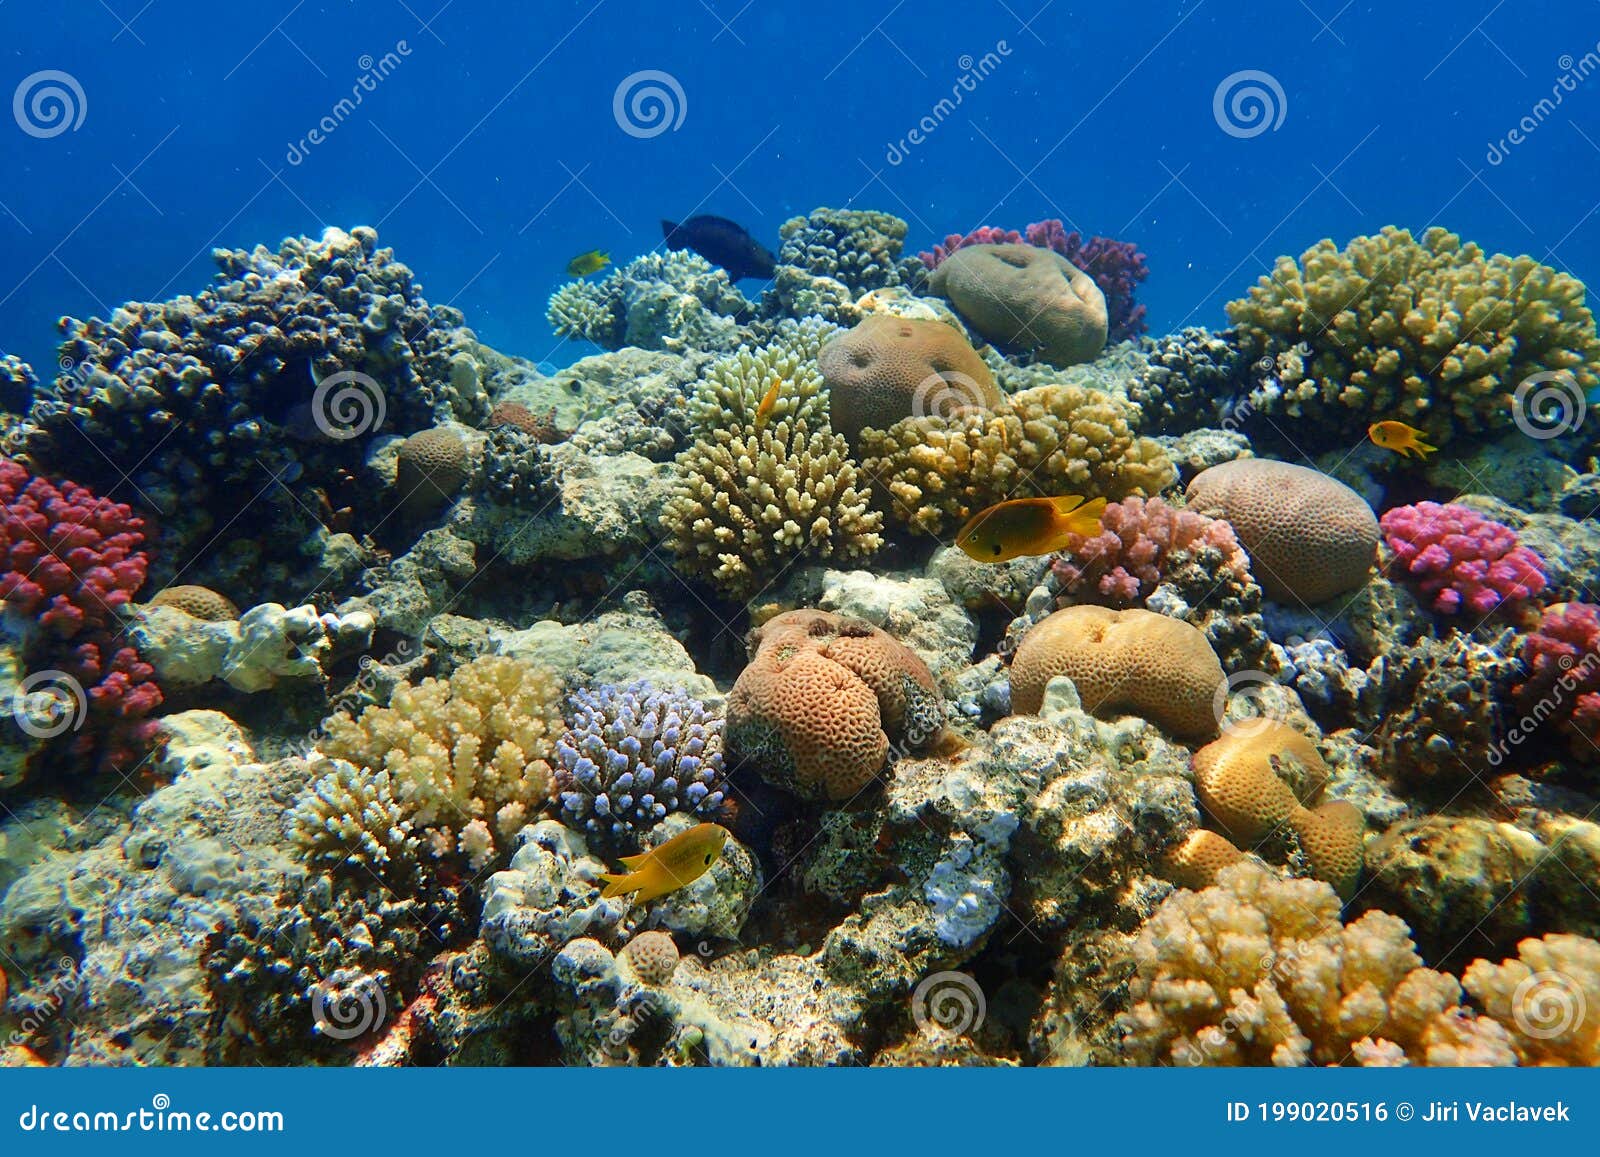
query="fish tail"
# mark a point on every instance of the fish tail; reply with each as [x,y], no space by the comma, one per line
[617,884]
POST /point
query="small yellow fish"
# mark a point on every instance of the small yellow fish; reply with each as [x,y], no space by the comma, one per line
[586,263]
[1399,437]
[1028,526]
[681,860]
[764,410]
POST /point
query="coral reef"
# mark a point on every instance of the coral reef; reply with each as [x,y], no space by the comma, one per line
[1548,998]
[1459,559]
[858,248]
[1144,543]
[1026,298]
[661,301]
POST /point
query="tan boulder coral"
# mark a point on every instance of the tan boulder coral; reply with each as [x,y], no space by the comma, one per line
[1197,861]
[888,368]
[1026,297]
[1259,970]
[1136,661]
[1310,537]
[430,467]
[1548,999]
[822,699]
[936,471]
[653,955]
[197,602]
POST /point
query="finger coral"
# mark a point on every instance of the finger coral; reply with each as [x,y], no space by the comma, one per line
[821,700]
[755,491]
[858,248]
[1461,560]
[937,471]
[467,756]
[1258,970]
[634,755]
[1548,998]
[1562,657]
[1434,333]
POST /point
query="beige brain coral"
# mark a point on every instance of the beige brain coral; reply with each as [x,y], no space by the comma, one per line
[1133,660]
[196,602]
[1430,332]
[1259,970]
[1196,862]
[888,368]
[755,491]
[1028,298]
[937,471]
[467,756]
[653,955]
[1548,998]
[821,700]
[1310,537]
[430,467]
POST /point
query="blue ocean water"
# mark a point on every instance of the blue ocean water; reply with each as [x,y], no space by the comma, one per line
[487,147]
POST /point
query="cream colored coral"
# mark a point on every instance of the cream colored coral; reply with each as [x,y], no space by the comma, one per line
[1059,439]
[1259,970]
[753,494]
[467,755]
[1430,332]
[351,815]
[1548,999]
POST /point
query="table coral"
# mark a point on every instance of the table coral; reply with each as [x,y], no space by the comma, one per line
[1459,559]
[1258,970]
[821,700]
[1433,333]
[937,471]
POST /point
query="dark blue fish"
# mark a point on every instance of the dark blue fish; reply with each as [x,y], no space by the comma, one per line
[721,242]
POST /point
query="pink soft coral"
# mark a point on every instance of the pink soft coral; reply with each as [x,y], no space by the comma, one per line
[1460,559]
[1134,551]
[982,235]
[1563,659]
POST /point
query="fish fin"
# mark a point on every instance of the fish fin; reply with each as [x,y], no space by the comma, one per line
[1074,509]
[616,884]
[634,863]
[669,230]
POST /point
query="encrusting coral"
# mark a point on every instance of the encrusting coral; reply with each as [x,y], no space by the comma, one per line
[756,490]
[1433,333]
[467,756]
[937,471]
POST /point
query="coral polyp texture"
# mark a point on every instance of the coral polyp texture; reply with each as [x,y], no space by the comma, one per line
[1460,560]
[671,301]
[633,755]
[822,699]
[1431,332]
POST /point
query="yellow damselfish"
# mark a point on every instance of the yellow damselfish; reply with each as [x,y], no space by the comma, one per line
[1025,526]
[764,410]
[1399,437]
[681,860]
[586,263]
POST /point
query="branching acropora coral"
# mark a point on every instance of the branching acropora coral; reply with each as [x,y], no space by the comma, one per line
[762,485]
[938,471]
[467,755]
[1433,333]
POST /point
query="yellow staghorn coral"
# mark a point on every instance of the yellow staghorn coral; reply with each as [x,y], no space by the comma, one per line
[1548,999]
[1259,970]
[757,489]
[466,757]
[1430,332]
[935,472]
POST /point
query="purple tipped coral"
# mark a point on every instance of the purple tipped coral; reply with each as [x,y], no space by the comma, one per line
[634,755]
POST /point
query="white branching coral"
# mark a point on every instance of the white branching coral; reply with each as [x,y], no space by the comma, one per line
[351,815]
[1548,999]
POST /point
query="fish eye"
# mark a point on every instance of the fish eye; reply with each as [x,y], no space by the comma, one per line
[708,859]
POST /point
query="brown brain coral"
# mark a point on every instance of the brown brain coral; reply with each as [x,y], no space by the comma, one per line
[1132,660]
[888,368]
[821,700]
[196,602]
[1310,537]
[654,957]
[1258,970]
[935,472]
[1028,298]
[1196,861]
[430,468]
